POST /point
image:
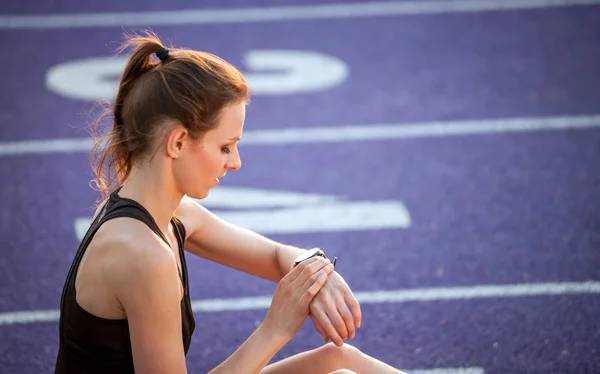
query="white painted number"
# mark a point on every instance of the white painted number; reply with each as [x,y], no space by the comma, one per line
[292,72]
[271,72]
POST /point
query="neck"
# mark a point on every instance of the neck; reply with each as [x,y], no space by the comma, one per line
[154,189]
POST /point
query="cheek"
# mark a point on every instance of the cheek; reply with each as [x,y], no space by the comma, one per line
[190,177]
[198,165]
[211,163]
[187,167]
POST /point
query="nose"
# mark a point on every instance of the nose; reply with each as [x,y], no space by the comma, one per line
[234,163]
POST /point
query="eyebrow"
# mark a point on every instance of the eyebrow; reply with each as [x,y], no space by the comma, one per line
[235,138]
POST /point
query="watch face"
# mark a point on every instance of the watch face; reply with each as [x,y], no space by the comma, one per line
[308,254]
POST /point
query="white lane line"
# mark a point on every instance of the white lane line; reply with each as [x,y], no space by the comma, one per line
[270,14]
[344,133]
[418,130]
[365,297]
[45,146]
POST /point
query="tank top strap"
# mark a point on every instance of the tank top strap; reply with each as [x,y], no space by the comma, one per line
[123,207]
[179,231]
[180,234]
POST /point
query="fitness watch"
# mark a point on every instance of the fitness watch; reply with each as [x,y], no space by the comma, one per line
[310,254]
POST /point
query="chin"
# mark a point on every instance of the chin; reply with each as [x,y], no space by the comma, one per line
[199,194]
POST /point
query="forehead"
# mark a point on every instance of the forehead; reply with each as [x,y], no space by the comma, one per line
[231,121]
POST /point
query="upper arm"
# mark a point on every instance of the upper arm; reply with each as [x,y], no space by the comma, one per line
[146,284]
[214,239]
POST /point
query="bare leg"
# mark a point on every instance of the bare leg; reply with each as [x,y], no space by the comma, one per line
[329,358]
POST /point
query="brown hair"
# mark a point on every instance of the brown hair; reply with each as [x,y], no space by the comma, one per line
[188,86]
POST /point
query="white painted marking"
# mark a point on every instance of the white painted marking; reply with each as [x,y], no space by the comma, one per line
[269,72]
[365,297]
[33,316]
[346,133]
[424,130]
[270,14]
[88,79]
[241,197]
[292,72]
[346,216]
[301,213]
[477,292]
[45,146]
[474,370]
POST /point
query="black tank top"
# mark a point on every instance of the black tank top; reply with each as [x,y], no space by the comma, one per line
[90,344]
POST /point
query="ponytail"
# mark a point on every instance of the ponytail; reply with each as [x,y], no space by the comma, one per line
[115,148]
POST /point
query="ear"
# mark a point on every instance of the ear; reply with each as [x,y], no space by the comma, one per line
[175,142]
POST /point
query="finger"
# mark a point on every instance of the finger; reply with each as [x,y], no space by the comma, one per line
[337,321]
[312,278]
[318,328]
[329,329]
[355,307]
[297,271]
[346,316]
[309,270]
[315,283]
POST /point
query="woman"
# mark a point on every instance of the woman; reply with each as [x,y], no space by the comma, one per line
[125,305]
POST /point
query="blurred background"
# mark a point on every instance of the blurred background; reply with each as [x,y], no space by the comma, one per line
[446,151]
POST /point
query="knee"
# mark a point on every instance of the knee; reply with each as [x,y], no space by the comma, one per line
[344,355]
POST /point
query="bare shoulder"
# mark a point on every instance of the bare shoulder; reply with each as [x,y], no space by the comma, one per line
[134,257]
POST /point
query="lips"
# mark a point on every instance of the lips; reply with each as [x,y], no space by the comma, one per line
[217,179]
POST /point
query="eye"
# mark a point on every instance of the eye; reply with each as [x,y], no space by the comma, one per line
[225,150]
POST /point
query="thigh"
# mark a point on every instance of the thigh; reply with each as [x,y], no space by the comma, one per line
[325,359]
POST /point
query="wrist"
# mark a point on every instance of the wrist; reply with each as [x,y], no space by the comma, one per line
[310,253]
[285,257]
[273,335]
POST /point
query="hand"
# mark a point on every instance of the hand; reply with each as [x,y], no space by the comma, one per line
[293,295]
[331,303]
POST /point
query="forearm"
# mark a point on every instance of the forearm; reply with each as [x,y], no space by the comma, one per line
[285,257]
[254,354]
